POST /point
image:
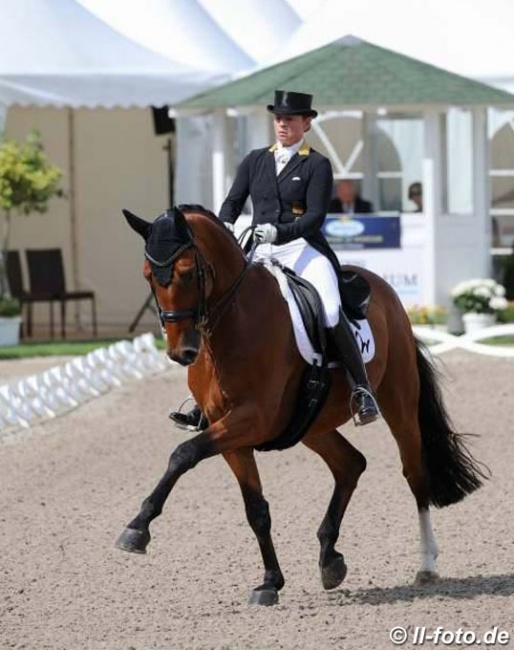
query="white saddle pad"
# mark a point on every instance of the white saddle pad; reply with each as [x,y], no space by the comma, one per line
[363,333]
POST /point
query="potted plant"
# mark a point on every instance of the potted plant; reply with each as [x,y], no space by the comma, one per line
[27,182]
[480,301]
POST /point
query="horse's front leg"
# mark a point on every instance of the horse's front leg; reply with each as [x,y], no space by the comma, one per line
[136,535]
[346,464]
[242,463]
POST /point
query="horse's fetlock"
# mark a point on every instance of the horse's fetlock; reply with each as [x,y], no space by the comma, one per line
[327,534]
[273,578]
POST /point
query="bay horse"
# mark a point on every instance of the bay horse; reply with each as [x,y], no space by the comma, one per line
[227,321]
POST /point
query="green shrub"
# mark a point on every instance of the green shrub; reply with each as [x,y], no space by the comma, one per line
[507,315]
[9,307]
[27,182]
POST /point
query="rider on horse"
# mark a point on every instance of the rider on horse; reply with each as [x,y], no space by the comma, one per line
[290,185]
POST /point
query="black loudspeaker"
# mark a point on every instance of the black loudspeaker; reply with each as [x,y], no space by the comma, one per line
[162,122]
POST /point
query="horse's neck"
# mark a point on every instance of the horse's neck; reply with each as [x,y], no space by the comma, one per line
[220,251]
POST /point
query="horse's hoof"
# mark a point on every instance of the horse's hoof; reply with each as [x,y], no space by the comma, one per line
[426,578]
[333,573]
[264,597]
[133,541]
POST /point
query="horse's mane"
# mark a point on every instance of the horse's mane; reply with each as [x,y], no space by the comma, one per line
[193,208]
[188,208]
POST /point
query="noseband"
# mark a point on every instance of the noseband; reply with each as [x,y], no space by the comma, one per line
[205,318]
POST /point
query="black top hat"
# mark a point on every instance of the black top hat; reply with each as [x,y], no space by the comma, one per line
[288,103]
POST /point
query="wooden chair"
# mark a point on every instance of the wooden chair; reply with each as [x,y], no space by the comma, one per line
[48,284]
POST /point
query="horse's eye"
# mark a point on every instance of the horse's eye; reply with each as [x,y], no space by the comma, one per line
[187,277]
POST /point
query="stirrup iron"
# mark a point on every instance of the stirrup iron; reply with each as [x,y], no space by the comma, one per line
[361,390]
[202,423]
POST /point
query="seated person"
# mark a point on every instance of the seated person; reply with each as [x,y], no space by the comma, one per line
[416,195]
[347,199]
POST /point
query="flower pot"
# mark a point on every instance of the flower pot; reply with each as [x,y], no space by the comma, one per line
[9,330]
[474,322]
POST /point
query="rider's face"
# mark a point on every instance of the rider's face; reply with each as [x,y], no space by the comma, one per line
[289,129]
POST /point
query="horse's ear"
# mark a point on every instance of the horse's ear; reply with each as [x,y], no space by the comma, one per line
[181,227]
[141,226]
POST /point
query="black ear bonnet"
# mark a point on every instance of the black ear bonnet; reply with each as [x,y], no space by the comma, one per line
[168,238]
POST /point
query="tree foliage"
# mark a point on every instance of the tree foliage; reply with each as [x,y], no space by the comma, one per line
[27,179]
[27,182]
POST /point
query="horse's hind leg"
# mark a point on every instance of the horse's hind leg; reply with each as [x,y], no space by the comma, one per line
[242,463]
[404,426]
[346,464]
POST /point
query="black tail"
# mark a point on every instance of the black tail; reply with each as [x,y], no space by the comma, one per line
[452,470]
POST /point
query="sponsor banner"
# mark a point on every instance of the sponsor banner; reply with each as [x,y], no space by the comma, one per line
[401,268]
[347,232]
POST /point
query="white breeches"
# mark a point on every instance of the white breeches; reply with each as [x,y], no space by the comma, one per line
[311,265]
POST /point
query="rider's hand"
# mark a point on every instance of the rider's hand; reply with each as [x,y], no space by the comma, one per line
[229,226]
[265,233]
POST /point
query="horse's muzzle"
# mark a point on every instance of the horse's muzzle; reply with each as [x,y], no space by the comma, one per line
[186,356]
[186,348]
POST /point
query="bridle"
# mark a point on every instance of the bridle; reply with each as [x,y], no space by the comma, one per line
[205,316]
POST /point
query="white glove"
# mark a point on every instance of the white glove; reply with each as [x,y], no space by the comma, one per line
[265,233]
[229,226]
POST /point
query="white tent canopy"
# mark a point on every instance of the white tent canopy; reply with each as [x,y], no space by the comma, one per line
[217,34]
[469,37]
[57,53]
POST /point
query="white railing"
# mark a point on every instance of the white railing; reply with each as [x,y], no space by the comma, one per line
[443,341]
[30,400]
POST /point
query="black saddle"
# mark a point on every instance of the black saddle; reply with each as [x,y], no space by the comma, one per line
[355,294]
[316,380]
[355,297]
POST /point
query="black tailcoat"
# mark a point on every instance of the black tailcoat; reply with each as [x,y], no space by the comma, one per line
[295,201]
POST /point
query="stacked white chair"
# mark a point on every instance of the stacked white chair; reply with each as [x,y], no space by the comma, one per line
[149,358]
[58,390]
[9,413]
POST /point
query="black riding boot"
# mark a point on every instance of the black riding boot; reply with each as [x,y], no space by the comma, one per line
[349,354]
[190,420]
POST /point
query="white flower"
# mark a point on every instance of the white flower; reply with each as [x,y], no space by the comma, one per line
[479,295]
[498,303]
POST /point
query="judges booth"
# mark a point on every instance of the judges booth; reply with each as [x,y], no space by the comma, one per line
[389,245]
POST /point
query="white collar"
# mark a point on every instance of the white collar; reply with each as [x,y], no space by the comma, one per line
[291,150]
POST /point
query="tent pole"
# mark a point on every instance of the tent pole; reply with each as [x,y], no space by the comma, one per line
[3,115]
[432,203]
[481,189]
[219,158]
[73,211]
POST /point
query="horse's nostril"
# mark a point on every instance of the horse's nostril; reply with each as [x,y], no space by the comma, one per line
[189,355]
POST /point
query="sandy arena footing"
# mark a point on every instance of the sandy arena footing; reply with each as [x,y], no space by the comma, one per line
[69,487]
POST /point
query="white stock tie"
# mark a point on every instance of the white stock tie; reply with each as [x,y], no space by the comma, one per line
[281,159]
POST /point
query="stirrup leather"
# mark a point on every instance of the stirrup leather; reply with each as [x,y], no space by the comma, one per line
[356,392]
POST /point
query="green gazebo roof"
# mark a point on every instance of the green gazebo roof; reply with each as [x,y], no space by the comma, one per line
[352,73]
